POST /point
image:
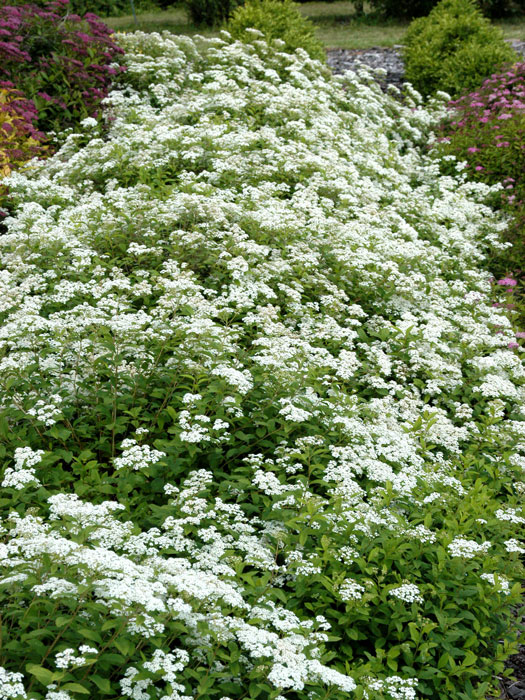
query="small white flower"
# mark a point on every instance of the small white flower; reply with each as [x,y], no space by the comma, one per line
[502,583]
[351,590]
[89,123]
[135,456]
[467,549]
[11,685]
[407,592]
[513,545]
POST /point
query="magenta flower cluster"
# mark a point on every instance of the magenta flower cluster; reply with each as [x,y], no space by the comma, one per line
[487,130]
[18,114]
[62,62]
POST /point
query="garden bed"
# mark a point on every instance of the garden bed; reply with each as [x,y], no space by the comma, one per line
[261,422]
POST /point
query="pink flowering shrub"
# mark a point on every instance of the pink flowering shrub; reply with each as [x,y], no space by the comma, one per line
[487,130]
[60,61]
[20,140]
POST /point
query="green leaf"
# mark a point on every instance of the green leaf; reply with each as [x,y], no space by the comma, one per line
[76,688]
[414,632]
[43,675]
[254,690]
[443,660]
[469,660]
[102,683]
[90,634]
[124,646]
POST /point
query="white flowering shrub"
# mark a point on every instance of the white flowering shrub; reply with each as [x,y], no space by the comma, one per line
[261,432]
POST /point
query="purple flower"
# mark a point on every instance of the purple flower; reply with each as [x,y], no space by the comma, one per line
[507,282]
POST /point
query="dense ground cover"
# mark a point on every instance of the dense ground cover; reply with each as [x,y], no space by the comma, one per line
[262,431]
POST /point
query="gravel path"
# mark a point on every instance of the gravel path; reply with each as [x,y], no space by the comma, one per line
[390,60]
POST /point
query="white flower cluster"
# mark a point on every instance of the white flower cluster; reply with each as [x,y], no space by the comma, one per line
[47,411]
[135,456]
[407,592]
[394,687]
[200,428]
[163,666]
[23,473]
[467,549]
[509,515]
[513,545]
[11,685]
[306,287]
[351,590]
[56,588]
[501,583]
[239,380]
[67,659]
[57,695]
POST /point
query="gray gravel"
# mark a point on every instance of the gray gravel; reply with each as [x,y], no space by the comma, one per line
[389,60]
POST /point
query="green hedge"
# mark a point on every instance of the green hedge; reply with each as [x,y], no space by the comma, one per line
[276,19]
[453,49]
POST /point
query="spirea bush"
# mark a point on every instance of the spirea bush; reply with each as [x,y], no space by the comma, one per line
[63,63]
[453,49]
[261,430]
[486,129]
[276,20]
[19,138]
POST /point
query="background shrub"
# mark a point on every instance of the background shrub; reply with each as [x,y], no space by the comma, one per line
[20,140]
[453,49]
[408,9]
[59,61]
[487,130]
[277,20]
[501,8]
[210,13]
[102,8]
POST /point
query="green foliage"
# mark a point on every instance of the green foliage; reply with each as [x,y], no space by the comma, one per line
[276,19]
[210,13]
[501,8]
[19,140]
[102,8]
[408,9]
[453,49]
[62,64]
[486,129]
[402,9]
[251,427]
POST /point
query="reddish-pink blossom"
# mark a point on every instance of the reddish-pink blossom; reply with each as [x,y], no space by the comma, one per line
[507,282]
